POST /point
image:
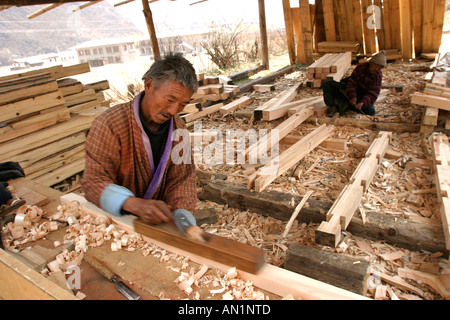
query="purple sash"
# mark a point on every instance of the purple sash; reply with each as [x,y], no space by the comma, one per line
[158,174]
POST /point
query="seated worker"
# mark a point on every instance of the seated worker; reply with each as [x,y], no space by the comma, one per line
[129,169]
[357,92]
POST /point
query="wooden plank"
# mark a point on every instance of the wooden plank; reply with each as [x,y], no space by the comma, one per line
[379,32]
[207,111]
[431,101]
[73,70]
[289,30]
[31,105]
[243,256]
[307,30]
[300,57]
[44,136]
[330,24]
[27,90]
[406,28]
[29,158]
[54,161]
[280,131]
[427,26]
[34,123]
[273,279]
[288,108]
[286,96]
[234,105]
[441,157]
[78,98]
[53,71]
[438,23]
[288,158]
[53,177]
[370,45]
[19,282]
[358,22]
[417,19]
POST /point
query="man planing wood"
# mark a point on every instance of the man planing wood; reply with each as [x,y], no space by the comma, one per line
[357,92]
[130,167]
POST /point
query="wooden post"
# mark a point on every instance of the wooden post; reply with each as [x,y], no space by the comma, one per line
[151,29]
[330,24]
[289,30]
[305,16]
[263,34]
[406,29]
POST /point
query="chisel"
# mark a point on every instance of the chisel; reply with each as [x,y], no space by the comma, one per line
[111,276]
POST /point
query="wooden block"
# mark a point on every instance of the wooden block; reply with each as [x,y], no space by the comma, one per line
[239,103]
[345,205]
[264,87]
[431,116]
[343,271]
[210,110]
[97,86]
[365,172]
[339,216]
[431,101]
[32,198]
[242,256]
[379,146]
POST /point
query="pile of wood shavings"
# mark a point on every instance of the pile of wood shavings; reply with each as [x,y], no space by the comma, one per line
[85,231]
[258,231]
[27,229]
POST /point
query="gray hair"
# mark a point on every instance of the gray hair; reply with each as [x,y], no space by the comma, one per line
[173,67]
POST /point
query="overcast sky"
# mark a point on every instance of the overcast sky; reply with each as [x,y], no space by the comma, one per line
[180,14]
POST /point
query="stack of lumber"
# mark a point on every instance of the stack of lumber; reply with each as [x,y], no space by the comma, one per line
[441,151]
[44,119]
[341,213]
[434,98]
[332,66]
[213,89]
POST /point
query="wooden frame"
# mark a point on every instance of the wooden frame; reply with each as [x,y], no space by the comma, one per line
[271,278]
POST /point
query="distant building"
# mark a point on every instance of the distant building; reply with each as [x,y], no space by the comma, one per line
[44,60]
[106,51]
[34,61]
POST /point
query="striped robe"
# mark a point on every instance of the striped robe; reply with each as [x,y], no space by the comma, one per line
[117,153]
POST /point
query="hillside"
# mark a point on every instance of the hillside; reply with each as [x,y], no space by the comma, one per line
[58,29]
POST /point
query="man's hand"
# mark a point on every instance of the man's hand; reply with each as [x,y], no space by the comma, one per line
[359,106]
[150,211]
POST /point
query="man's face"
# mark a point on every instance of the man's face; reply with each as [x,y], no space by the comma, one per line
[164,102]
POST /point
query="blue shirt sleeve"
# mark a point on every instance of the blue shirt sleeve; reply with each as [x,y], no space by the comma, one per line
[113,198]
